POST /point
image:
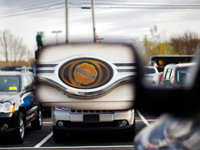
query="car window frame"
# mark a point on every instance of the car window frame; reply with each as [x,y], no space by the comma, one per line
[168,72]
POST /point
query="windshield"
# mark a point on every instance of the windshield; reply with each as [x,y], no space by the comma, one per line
[9,83]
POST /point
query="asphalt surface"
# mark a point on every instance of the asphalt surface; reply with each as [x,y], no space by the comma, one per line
[42,139]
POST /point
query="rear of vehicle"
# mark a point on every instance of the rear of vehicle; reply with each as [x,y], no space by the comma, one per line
[176,75]
[183,74]
[156,80]
[149,72]
[92,121]
[91,87]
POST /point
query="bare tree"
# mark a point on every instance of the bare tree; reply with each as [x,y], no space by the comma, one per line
[191,40]
[5,41]
[186,43]
[12,48]
[177,45]
[157,44]
[18,50]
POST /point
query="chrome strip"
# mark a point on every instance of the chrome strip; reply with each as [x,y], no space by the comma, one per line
[121,74]
[81,95]
[45,71]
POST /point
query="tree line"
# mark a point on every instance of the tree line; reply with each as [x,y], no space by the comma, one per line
[13,50]
[182,44]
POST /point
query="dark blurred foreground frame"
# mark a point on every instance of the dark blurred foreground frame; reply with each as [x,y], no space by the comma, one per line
[179,102]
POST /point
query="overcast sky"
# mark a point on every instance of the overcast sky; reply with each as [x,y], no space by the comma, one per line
[24,18]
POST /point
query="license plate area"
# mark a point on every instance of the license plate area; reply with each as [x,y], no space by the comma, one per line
[91,118]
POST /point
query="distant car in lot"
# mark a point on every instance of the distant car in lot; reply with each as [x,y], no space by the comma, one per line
[10,68]
[149,72]
[156,80]
[25,69]
[18,105]
[176,75]
[19,68]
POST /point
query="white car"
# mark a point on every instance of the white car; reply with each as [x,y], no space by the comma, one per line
[149,72]
[90,87]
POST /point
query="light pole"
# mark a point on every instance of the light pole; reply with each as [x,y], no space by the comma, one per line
[93,20]
[56,32]
[67,24]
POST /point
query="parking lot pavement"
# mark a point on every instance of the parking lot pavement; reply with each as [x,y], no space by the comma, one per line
[43,139]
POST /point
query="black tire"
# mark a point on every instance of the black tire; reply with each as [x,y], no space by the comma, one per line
[37,123]
[129,135]
[19,131]
[58,137]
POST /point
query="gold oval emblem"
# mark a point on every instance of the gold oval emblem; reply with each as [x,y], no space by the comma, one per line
[85,73]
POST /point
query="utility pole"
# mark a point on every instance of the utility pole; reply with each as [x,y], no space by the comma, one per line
[67,33]
[93,18]
[56,32]
[5,47]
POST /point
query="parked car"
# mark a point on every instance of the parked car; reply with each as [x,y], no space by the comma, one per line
[176,75]
[149,72]
[25,69]
[9,68]
[18,105]
[156,80]
[91,91]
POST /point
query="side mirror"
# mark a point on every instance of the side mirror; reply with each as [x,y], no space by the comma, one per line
[181,101]
[30,88]
[86,76]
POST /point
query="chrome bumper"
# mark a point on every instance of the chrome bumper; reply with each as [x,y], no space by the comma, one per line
[77,116]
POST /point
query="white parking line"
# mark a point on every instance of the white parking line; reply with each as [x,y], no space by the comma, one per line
[56,147]
[44,140]
[142,118]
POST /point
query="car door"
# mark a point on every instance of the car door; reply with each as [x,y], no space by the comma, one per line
[29,100]
[34,102]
